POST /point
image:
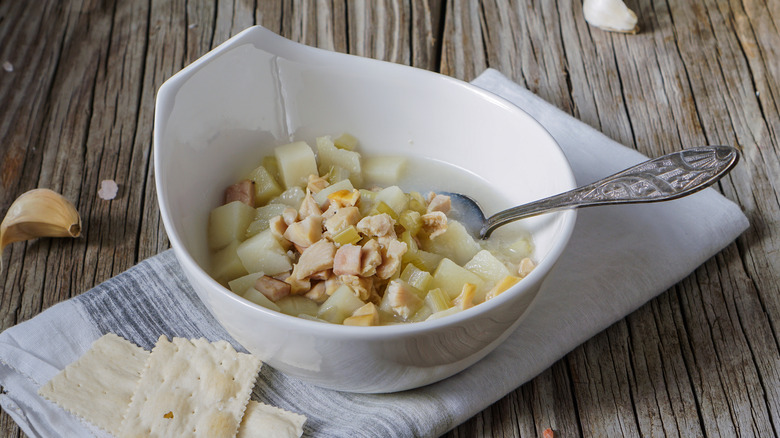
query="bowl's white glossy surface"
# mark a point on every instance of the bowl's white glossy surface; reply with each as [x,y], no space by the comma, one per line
[218,117]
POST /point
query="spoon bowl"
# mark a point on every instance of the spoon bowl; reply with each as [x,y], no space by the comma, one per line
[664,178]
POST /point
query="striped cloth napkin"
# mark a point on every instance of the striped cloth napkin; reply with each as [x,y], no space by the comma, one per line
[618,259]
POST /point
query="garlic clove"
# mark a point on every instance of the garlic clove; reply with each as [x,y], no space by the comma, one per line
[39,213]
[610,15]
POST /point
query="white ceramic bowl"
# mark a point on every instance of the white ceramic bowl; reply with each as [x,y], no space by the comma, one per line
[219,116]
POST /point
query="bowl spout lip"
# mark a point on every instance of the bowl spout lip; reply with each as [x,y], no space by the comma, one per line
[268,41]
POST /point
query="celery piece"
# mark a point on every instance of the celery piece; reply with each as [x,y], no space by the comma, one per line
[381,207]
[347,235]
[417,203]
[416,277]
[366,203]
[346,141]
[411,244]
[411,221]
[336,174]
[443,313]
[421,314]
[428,260]
[437,300]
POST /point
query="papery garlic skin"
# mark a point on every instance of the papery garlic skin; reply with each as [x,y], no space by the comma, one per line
[611,15]
[39,213]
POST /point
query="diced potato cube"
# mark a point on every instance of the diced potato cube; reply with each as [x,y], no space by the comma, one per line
[241,284]
[384,170]
[321,197]
[295,305]
[488,267]
[291,197]
[394,197]
[296,163]
[272,166]
[450,278]
[262,252]
[456,243]
[226,265]
[330,156]
[340,305]
[346,141]
[258,298]
[262,216]
[266,187]
[228,223]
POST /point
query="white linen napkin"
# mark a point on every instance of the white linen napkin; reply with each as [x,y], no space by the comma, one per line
[618,259]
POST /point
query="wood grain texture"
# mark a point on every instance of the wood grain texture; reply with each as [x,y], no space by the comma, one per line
[702,359]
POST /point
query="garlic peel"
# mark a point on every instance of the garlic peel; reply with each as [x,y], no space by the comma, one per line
[39,213]
[610,15]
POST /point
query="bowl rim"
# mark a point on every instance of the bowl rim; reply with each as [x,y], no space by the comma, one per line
[284,47]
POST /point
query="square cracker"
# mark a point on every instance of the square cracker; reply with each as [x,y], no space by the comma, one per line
[191,388]
[264,421]
[98,386]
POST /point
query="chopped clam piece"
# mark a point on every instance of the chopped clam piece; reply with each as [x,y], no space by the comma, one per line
[466,297]
[434,224]
[272,288]
[317,293]
[402,299]
[361,286]
[391,260]
[316,183]
[379,225]
[343,218]
[440,203]
[305,232]
[317,257]
[347,260]
[371,257]
[309,207]
[344,198]
[243,191]
[365,316]
[526,266]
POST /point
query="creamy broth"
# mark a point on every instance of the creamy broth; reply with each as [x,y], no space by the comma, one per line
[396,257]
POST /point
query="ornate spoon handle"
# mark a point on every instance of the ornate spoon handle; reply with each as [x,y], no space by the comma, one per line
[668,177]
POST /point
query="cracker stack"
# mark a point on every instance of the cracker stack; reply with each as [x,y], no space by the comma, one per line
[183,388]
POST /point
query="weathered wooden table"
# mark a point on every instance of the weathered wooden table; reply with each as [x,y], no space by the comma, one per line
[77,90]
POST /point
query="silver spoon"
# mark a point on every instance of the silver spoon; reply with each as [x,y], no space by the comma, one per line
[664,178]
